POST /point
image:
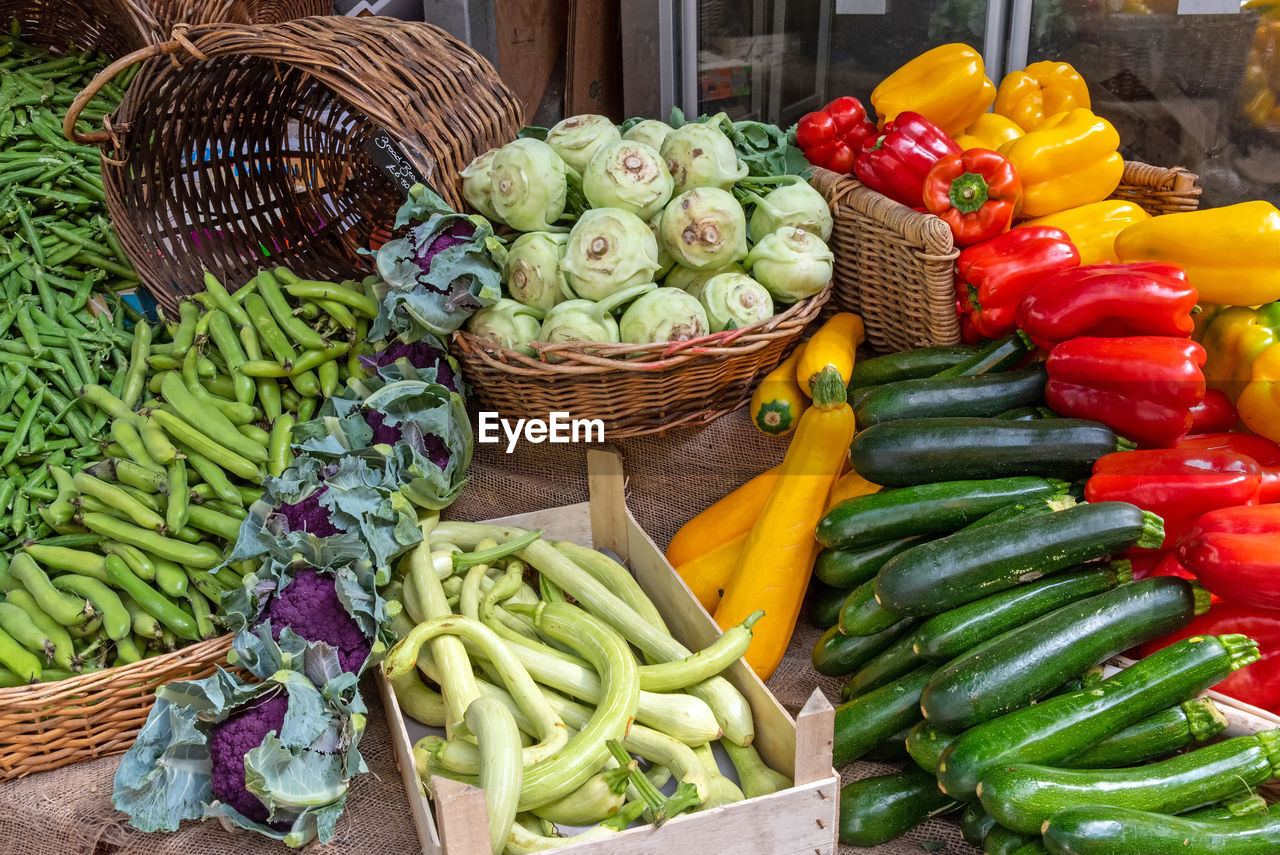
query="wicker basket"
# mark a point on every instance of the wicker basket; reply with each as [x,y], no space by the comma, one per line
[115,27]
[239,142]
[634,389]
[895,266]
[47,725]
[1202,55]
[191,12]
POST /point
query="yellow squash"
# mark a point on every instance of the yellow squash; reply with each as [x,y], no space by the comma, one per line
[1070,160]
[948,85]
[707,574]
[726,519]
[774,568]
[834,344]
[1093,227]
[777,401]
[1231,254]
[849,486]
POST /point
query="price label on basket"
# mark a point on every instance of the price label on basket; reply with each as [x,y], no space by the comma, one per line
[392,161]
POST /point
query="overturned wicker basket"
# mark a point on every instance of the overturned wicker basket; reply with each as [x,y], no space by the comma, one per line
[895,266]
[634,388]
[115,27]
[47,725]
[172,12]
[239,143]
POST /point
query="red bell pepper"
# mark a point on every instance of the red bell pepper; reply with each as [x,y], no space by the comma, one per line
[1109,300]
[992,277]
[1176,484]
[1143,387]
[1265,452]
[832,137]
[976,193]
[896,161]
[1160,563]
[1214,413]
[1235,553]
[1257,684]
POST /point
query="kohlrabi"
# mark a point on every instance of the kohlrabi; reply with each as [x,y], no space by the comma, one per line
[577,138]
[666,261]
[651,132]
[689,278]
[476,183]
[791,263]
[732,300]
[630,176]
[508,324]
[705,227]
[527,185]
[532,271]
[792,204]
[666,314]
[609,249]
[700,155]
[584,320]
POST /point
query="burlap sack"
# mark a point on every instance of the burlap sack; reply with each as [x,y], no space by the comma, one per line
[670,478]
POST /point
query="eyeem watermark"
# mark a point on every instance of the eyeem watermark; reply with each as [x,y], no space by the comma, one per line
[556,428]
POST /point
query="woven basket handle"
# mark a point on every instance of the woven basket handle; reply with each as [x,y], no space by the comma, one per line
[102,79]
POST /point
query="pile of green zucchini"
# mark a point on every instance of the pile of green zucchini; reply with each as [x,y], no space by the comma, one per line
[508,658]
[970,606]
[119,542]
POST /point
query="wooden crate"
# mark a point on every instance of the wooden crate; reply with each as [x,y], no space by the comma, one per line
[798,821]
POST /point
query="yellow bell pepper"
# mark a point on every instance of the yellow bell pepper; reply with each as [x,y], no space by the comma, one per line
[1069,161]
[1234,340]
[1231,254]
[991,130]
[947,85]
[1093,227]
[1259,404]
[1040,91]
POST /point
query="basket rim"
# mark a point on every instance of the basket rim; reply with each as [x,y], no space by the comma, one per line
[608,357]
[97,680]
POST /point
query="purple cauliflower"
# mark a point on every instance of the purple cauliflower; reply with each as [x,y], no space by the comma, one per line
[234,737]
[309,515]
[421,354]
[459,233]
[430,445]
[309,605]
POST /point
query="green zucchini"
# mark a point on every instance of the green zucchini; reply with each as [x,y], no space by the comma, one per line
[1005,841]
[849,568]
[944,637]
[1027,414]
[1035,847]
[1019,510]
[998,355]
[892,750]
[876,810]
[1026,664]
[824,604]
[1059,728]
[1023,796]
[1167,731]
[939,575]
[866,721]
[836,655]
[862,615]
[929,509]
[908,364]
[925,743]
[1105,830]
[896,661]
[974,824]
[921,451]
[984,395]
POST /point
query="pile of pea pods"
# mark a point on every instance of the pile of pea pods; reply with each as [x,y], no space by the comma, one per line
[120,548]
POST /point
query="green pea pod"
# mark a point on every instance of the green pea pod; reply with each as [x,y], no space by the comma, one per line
[256,434]
[202,613]
[137,373]
[203,444]
[67,611]
[283,313]
[134,558]
[204,584]
[308,290]
[291,400]
[18,659]
[205,519]
[264,368]
[162,451]
[127,651]
[18,624]
[234,311]
[67,560]
[170,578]
[330,377]
[24,425]
[268,332]
[144,623]
[269,397]
[175,515]
[224,338]
[213,476]
[208,420]
[145,478]
[185,334]
[279,453]
[118,500]
[307,384]
[152,601]
[115,617]
[200,556]
[312,359]
[63,648]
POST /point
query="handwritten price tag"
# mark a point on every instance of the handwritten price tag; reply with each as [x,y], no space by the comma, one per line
[391,160]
